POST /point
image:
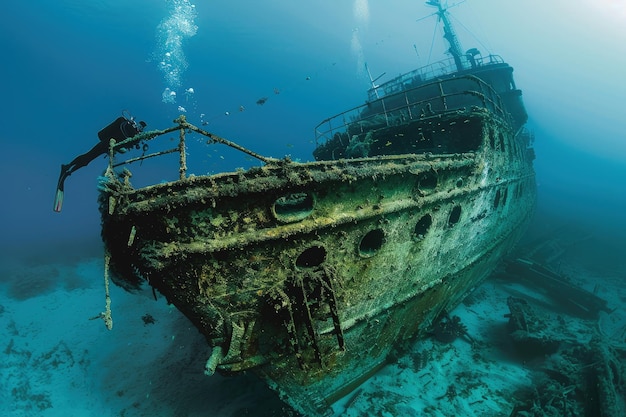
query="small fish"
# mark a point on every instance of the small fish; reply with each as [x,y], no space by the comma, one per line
[261,101]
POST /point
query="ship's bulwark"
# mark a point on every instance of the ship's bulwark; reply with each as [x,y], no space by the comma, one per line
[313,274]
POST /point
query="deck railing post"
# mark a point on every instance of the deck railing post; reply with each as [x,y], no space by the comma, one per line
[442,94]
[111,153]
[183,156]
[382,100]
[408,106]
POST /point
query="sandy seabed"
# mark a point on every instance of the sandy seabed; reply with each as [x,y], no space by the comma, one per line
[58,359]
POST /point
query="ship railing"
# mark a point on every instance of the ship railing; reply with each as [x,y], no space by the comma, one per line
[426,100]
[182,126]
[430,72]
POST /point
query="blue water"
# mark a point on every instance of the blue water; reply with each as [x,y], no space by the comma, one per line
[69,67]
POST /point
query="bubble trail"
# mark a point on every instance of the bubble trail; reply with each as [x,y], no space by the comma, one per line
[361,12]
[171,33]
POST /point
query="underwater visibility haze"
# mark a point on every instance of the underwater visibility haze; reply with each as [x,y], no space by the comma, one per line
[72,67]
[262,74]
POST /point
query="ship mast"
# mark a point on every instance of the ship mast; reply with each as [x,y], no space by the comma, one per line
[448,33]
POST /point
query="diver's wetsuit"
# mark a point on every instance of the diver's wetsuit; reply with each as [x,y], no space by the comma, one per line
[120,129]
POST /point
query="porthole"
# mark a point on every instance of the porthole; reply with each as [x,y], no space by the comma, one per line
[422,226]
[455,216]
[293,207]
[428,182]
[313,256]
[371,242]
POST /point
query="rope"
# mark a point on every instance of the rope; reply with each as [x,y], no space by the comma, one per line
[106,316]
[432,43]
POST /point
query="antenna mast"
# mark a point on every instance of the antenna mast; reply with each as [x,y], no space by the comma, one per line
[448,33]
[373,80]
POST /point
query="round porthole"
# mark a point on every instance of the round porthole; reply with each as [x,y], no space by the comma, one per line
[455,216]
[293,207]
[371,242]
[428,182]
[422,226]
[311,257]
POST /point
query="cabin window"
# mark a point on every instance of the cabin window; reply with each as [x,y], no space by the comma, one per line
[455,216]
[496,199]
[293,207]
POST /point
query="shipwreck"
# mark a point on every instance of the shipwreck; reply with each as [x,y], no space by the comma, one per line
[312,274]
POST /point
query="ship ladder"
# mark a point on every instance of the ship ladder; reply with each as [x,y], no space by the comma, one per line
[308,319]
[291,326]
[327,283]
[319,279]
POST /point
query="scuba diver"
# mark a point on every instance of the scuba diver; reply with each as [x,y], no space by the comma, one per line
[121,128]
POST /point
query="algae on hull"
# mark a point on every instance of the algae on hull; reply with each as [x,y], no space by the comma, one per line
[313,274]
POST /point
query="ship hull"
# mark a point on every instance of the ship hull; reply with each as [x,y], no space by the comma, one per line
[313,274]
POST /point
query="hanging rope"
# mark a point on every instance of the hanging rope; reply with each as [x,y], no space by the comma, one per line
[106,316]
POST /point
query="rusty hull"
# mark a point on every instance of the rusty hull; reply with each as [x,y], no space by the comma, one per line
[311,274]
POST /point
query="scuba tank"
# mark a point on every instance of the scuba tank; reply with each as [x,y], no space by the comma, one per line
[120,129]
[123,127]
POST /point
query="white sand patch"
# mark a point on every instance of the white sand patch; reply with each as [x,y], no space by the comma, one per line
[455,379]
[55,361]
[58,361]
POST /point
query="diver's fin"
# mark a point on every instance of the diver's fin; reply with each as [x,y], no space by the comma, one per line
[58,200]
